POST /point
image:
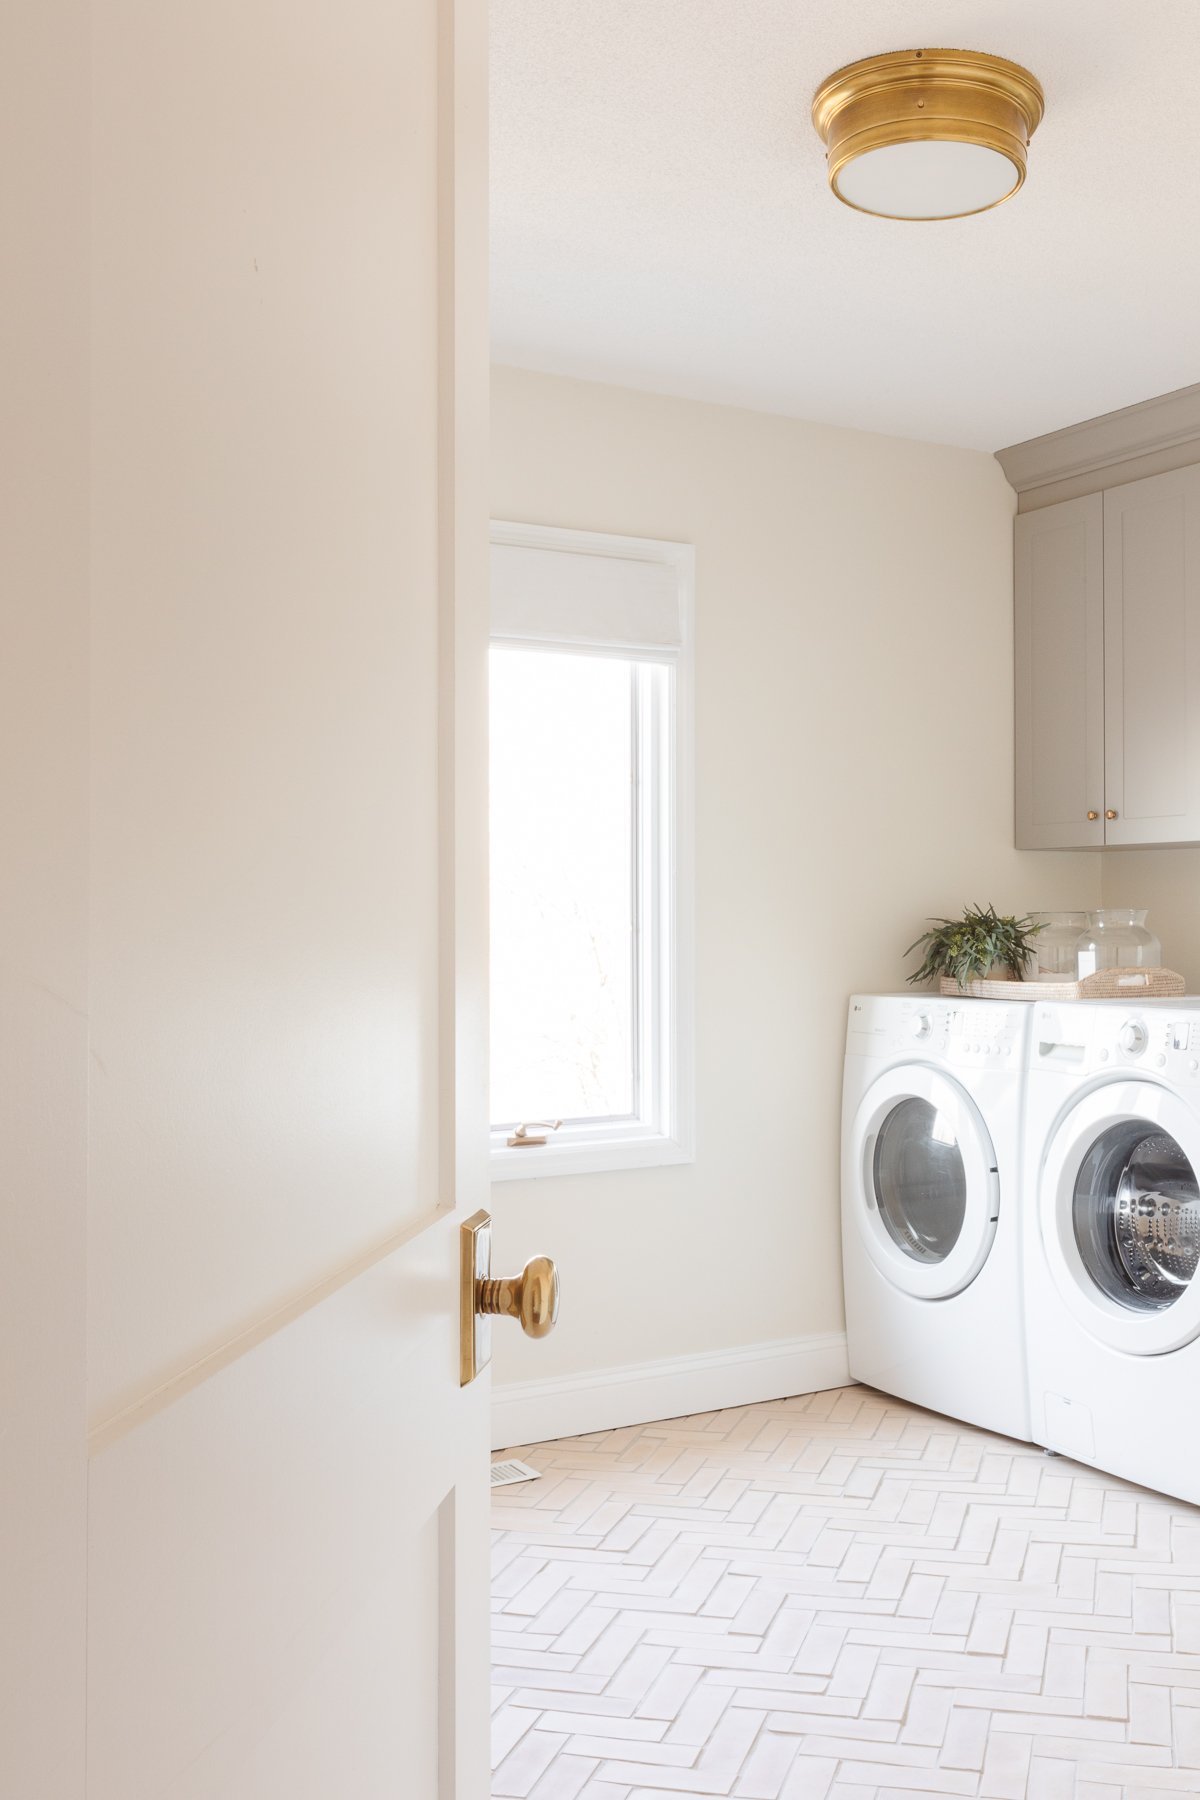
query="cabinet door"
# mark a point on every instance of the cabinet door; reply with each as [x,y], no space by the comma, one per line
[1059,629]
[1152,659]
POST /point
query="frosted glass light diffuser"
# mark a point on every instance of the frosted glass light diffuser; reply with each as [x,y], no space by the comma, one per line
[927,134]
[927,180]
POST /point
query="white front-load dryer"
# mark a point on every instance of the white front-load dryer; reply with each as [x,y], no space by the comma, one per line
[930,1220]
[1112,1133]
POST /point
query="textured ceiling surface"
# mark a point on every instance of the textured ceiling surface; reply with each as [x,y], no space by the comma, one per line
[661,218]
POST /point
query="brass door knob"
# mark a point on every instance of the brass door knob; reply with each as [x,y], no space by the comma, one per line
[1110,814]
[1093,815]
[530,1297]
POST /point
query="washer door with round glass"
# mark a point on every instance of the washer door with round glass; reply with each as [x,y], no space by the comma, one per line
[928,1192]
[1120,1216]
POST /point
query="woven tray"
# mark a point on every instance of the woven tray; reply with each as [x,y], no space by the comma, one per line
[1109,984]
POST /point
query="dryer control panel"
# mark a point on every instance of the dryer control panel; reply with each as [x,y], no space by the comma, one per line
[969,1033]
[981,1030]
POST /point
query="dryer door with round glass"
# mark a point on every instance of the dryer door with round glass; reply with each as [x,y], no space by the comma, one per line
[927,1199]
[1119,1206]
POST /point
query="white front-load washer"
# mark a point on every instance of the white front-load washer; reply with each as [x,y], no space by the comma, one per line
[1112,1245]
[930,1220]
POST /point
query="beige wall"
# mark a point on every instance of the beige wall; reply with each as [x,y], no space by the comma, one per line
[853,775]
[1167,884]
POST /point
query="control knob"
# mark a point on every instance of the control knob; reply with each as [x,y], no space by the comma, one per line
[921,1025]
[1132,1038]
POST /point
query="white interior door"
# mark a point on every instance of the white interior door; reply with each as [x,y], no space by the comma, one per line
[287,1543]
[43,863]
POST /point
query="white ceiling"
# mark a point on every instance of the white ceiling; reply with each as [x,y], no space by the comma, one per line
[661,219]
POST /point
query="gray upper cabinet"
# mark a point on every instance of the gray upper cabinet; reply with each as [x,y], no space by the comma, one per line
[1107,627]
[1059,633]
[1152,659]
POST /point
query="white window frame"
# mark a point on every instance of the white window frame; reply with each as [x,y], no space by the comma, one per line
[663,1131]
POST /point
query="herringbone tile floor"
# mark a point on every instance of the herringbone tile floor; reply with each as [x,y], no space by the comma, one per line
[840,1597]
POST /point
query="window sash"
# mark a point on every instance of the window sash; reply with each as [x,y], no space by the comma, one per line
[659,1129]
[652,693]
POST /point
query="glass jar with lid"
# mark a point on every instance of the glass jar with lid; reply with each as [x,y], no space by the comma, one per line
[1115,937]
[1056,943]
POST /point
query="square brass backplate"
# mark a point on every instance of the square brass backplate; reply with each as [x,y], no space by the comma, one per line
[475,1328]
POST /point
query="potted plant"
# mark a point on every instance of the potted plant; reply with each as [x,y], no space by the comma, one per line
[983,945]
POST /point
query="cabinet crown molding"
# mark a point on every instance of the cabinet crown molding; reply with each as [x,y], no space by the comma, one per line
[1159,424]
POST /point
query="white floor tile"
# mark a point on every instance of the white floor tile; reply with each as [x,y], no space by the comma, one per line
[840,1597]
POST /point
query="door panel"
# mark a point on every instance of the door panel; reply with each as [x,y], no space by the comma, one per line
[43,896]
[275,1555]
[1152,659]
[1059,632]
[288,937]
[265,663]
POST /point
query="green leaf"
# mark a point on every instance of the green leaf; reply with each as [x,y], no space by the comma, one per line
[968,948]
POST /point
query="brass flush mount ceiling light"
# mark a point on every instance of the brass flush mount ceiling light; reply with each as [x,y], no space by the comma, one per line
[927,134]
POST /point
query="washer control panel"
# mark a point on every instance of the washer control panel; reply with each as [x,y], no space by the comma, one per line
[1097,1037]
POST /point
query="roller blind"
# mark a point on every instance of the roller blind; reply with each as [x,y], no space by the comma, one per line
[573,597]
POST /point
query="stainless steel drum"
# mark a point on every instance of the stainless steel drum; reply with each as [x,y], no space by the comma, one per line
[1136,1215]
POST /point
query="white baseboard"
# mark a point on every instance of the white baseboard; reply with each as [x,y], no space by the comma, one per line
[531,1412]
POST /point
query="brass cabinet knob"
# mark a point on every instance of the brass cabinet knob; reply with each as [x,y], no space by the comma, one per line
[1110,814]
[1093,815]
[530,1297]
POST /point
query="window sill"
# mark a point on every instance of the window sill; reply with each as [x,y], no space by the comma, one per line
[586,1157]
